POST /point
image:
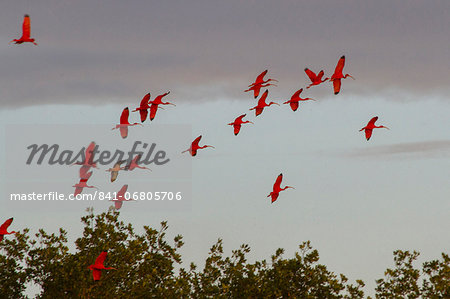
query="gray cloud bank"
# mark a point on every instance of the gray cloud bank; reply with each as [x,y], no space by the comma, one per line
[112,49]
[426,149]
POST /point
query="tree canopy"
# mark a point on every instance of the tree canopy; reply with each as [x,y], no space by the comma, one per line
[149,266]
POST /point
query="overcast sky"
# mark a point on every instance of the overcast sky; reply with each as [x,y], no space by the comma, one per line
[356,200]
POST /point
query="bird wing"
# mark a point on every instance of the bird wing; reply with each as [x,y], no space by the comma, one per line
[258,111]
[294,105]
[260,77]
[114,175]
[237,128]
[296,95]
[124,116]
[278,182]
[239,118]
[118,204]
[153,109]
[88,153]
[340,66]
[121,193]
[256,90]
[312,76]
[336,85]
[368,133]
[123,132]
[262,100]
[97,274]
[371,122]
[320,75]
[6,224]
[144,101]
[101,258]
[196,141]
[143,113]
[26,31]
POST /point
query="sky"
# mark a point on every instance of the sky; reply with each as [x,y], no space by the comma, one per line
[356,200]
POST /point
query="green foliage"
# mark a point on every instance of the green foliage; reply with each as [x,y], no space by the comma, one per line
[148,266]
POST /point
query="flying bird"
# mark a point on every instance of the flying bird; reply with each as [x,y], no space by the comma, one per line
[88,160]
[370,126]
[120,197]
[238,122]
[338,75]
[134,164]
[143,107]
[262,103]
[259,83]
[25,38]
[82,184]
[277,188]
[155,104]
[115,170]
[98,266]
[195,147]
[295,99]
[257,88]
[315,79]
[4,227]
[124,124]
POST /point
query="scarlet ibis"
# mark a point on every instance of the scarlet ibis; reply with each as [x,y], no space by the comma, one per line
[98,266]
[88,158]
[260,79]
[115,170]
[370,126]
[315,79]
[155,104]
[143,107]
[277,188]
[337,76]
[134,164]
[238,122]
[259,83]
[194,146]
[120,197]
[262,103]
[4,227]
[257,88]
[124,124]
[82,184]
[295,99]
[25,38]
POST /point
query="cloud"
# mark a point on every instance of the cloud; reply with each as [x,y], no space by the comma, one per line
[425,149]
[110,49]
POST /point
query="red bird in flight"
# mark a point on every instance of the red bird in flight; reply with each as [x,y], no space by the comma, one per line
[259,83]
[295,99]
[262,103]
[134,164]
[25,38]
[238,122]
[315,79]
[98,266]
[143,107]
[124,124]
[195,147]
[120,197]
[155,104]
[4,227]
[338,75]
[277,188]
[370,126]
[82,184]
